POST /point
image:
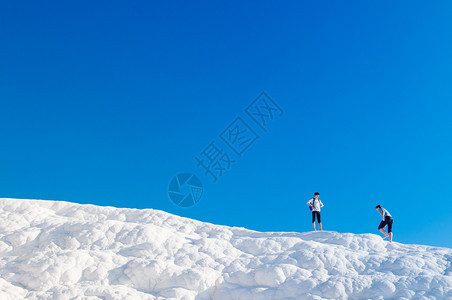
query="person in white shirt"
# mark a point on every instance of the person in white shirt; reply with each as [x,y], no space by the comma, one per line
[386,220]
[315,205]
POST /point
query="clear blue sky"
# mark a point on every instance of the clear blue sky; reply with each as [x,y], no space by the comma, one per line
[105,102]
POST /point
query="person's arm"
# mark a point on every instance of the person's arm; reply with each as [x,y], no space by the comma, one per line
[383,214]
[309,203]
[321,204]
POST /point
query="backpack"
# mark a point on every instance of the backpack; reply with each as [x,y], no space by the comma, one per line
[310,207]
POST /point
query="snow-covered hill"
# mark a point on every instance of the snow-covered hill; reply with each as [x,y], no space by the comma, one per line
[60,250]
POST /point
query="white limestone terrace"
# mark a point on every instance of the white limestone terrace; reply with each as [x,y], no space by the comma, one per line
[61,250]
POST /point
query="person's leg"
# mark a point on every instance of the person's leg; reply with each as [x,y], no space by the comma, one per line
[383,231]
[319,221]
[381,227]
[313,220]
[390,230]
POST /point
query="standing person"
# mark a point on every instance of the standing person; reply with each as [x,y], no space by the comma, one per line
[315,205]
[386,220]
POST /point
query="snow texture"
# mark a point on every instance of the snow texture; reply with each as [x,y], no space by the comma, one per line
[60,250]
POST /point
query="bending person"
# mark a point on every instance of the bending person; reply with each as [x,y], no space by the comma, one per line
[386,220]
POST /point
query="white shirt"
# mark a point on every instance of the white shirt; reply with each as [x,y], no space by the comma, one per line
[317,204]
[386,212]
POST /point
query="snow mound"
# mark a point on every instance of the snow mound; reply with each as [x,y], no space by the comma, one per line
[60,250]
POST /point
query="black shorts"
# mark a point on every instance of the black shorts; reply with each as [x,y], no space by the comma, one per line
[316,213]
[388,221]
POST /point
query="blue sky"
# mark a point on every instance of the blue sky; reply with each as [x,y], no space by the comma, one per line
[104,103]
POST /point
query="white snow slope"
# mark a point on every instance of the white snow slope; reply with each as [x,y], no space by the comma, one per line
[60,250]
